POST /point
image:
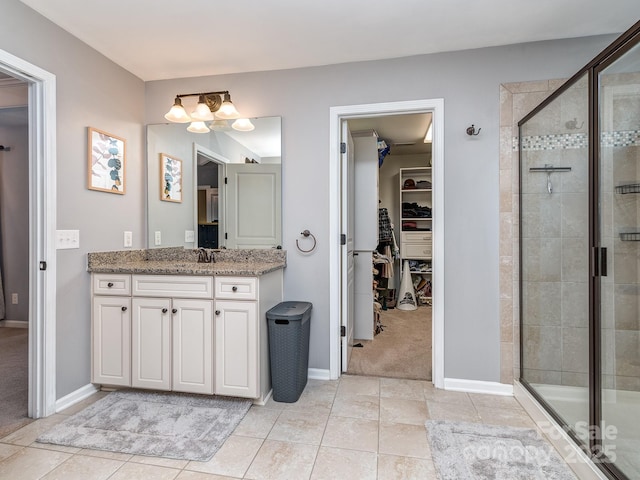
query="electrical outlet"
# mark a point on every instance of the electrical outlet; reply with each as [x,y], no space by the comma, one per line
[158,238]
[189,236]
[128,239]
[14,298]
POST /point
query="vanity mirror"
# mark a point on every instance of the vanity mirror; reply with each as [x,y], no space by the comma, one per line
[242,212]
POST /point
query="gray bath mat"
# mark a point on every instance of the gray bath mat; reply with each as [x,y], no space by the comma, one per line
[171,425]
[488,452]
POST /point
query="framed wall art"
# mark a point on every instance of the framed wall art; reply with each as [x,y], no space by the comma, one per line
[170,178]
[106,162]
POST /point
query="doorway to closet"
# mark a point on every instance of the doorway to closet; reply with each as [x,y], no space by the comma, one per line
[392,246]
[342,296]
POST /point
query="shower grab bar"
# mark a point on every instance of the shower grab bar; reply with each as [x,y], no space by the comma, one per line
[550,169]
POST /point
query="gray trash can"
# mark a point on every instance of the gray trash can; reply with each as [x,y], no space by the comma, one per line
[289,324]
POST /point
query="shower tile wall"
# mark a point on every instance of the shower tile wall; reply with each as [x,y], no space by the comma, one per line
[555,237]
[516,100]
[620,151]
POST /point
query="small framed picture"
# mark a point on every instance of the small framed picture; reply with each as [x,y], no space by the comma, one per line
[106,162]
[170,178]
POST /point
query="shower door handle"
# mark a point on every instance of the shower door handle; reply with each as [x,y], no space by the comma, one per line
[603,261]
[599,256]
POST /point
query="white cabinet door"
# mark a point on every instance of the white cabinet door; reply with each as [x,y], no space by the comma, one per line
[236,355]
[111,332]
[192,346]
[151,343]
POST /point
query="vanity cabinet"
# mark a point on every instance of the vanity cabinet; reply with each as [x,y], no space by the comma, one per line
[197,334]
[111,340]
[172,333]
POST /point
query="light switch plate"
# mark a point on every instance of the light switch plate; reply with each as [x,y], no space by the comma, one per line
[189,236]
[67,239]
[157,238]
[128,239]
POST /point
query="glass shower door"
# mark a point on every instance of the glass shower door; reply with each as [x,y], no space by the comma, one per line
[554,206]
[619,197]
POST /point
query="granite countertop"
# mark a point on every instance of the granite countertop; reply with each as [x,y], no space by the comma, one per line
[178,261]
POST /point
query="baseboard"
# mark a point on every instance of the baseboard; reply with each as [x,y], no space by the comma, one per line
[75,397]
[477,386]
[577,460]
[319,374]
[14,323]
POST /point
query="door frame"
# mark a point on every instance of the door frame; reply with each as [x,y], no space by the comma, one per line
[221,161]
[42,225]
[336,116]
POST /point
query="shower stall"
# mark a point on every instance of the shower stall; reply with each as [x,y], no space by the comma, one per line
[580,256]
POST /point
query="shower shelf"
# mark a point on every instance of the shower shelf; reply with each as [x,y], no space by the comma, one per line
[630,237]
[629,188]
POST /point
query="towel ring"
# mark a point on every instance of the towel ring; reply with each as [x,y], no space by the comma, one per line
[307,234]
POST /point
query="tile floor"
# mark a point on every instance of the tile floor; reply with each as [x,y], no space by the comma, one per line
[357,427]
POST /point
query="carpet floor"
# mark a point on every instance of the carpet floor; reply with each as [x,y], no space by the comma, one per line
[162,424]
[401,350]
[14,379]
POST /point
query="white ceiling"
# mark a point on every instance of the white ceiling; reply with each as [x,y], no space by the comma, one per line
[160,39]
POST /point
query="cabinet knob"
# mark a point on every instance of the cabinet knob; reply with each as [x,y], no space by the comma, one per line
[175,310]
[124,309]
[217,312]
[164,310]
[110,284]
[234,288]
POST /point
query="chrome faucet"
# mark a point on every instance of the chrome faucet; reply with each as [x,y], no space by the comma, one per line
[205,256]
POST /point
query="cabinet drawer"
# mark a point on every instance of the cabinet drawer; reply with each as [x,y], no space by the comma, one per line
[416,237]
[416,250]
[236,288]
[111,284]
[176,286]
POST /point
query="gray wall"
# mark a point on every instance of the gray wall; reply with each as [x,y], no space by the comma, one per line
[469,83]
[91,91]
[14,219]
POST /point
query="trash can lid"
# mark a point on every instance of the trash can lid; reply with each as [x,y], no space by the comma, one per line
[289,310]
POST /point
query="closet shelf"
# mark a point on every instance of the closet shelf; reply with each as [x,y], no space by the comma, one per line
[630,237]
[629,188]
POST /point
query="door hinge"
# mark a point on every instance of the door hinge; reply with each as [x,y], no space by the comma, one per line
[343,331]
[226,237]
[343,239]
[43,265]
[343,147]
[225,180]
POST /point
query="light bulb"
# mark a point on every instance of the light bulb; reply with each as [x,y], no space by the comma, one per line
[243,125]
[227,109]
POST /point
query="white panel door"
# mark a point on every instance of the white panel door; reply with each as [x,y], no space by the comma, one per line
[151,343]
[236,354]
[347,260]
[192,339]
[111,332]
[253,218]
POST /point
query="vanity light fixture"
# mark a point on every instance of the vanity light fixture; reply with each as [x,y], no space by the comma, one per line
[211,106]
[243,125]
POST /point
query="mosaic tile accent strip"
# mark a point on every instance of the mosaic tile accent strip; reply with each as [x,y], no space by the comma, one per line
[626,138]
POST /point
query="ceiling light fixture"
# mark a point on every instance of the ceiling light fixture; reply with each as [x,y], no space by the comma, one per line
[208,104]
[428,138]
